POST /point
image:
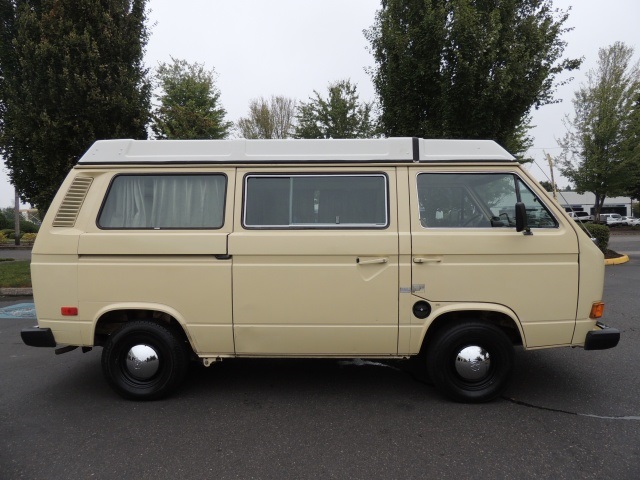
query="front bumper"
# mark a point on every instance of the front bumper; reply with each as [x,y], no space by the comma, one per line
[38,337]
[601,339]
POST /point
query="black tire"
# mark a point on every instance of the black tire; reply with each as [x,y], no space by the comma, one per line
[479,380]
[160,367]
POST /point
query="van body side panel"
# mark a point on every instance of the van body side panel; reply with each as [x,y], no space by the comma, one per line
[180,270]
[55,284]
[591,285]
[315,291]
[287,303]
[180,283]
[153,243]
[535,276]
[54,276]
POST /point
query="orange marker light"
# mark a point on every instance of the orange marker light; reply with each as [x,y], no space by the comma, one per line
[69,311]
[596,310]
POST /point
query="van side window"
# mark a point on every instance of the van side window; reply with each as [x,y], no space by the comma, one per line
[164,201]
[537,214]
[315,201]
[482,200]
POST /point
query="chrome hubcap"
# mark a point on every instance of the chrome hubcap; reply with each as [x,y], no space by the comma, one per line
[142,362]
[472,363]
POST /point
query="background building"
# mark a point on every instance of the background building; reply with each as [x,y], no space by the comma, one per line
[585,202]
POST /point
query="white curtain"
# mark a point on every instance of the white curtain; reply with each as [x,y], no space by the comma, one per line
[164,201]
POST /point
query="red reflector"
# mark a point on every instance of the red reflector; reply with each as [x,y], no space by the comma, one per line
[69,311]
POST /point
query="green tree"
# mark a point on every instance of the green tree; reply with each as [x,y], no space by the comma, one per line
[631,149]
[597,156]
[548,186]
[340,115]
[466,69]
[189,103]
[71,72]
[269,118]
[4,221]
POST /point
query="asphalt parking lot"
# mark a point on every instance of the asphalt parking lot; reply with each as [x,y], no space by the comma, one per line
[567,414]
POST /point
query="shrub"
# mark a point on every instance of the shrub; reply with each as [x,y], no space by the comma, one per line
[25,227]
[7,221]
[600,233]
[2,237]
[28,227]
[29,237]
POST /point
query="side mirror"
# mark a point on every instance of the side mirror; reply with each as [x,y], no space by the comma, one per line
[521,219]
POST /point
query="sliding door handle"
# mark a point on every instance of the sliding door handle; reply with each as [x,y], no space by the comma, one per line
[371,261]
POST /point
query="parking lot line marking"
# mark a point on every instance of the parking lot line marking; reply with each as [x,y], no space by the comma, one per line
[20,310]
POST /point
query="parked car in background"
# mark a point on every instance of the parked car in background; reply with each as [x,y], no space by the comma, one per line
[630,221]
[581,216]
[611,219]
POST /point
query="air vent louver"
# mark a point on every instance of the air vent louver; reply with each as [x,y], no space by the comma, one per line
[70,207]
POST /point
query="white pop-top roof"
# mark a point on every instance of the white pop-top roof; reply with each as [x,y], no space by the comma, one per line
[379,150]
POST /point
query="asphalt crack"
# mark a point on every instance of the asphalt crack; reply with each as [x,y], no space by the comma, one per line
[367,363]
[567,412]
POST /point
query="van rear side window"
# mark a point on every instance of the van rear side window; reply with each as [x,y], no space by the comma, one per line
[316,201]
[164,202]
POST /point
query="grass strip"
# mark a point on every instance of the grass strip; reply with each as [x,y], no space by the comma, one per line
[15,274]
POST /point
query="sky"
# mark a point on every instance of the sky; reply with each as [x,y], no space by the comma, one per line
[293,47]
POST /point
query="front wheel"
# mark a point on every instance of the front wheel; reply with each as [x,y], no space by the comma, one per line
[144,360]
[470,361]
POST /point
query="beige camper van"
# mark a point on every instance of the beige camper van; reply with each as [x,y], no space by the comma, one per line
[167,252]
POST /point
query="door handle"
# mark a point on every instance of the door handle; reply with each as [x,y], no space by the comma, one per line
[371,261]
[427,260]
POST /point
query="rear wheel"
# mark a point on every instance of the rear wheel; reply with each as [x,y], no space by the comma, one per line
[144,360]
[470,361]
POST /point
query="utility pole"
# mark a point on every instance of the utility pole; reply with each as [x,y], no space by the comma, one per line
[16,218]
[553,182]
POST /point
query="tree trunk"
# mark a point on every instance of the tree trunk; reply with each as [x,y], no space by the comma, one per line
[598,207]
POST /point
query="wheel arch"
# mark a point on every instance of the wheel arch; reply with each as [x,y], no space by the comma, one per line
[497,315]
[110,319]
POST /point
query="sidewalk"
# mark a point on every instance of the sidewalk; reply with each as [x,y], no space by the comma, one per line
[16,292]
[17,253]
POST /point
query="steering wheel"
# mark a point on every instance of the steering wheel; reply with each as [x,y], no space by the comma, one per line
[509,222]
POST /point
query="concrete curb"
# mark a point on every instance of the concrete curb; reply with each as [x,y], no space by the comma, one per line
[16,292]
[616,261]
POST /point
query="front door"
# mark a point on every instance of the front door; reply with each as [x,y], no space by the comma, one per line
[465,249]
[315,263]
